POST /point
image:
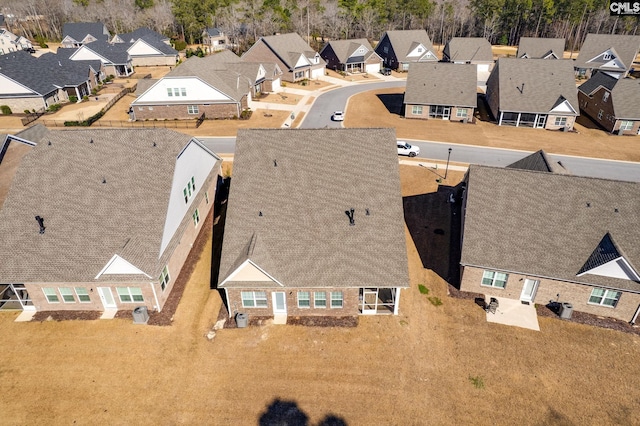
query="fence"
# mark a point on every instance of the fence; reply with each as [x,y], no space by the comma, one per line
[168,124]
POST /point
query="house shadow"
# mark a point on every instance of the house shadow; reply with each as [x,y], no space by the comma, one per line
[394,102]
[483,112]
[219,217]
[587,122]
[434,223]
[281,413]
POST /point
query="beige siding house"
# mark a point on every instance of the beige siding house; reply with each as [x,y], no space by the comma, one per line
[399,48]
[312,230]
[545,237]
[352,56]
[534,93]
[540,48]
[441,91]
[611,54]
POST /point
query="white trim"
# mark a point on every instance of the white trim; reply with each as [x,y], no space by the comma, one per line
[121,262]
[239,268]
[155,296]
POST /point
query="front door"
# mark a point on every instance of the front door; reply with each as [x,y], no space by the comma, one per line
[107,298]
[369,301]
[446,113]
[529,290]
[279,302]
[540,121]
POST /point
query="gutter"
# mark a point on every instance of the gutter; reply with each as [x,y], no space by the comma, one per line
[155,296]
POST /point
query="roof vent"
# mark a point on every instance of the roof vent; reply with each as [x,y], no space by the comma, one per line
[366,212]
[104,180]
[155,144]
[91,141]
[49,143]
[588,204]
[275,163]
[41,223]
[260,213]
[521,88]
[349,213]
[616,210]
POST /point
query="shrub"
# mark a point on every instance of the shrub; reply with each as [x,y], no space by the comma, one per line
[54,107]
[85,98]
[5,109]
[94,91]
[179,45]
[26,111]
[245,114]
[477,382]
[41,42]
[423,289]
[435,301]
[73,99]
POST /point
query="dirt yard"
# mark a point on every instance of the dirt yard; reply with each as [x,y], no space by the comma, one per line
[430,365]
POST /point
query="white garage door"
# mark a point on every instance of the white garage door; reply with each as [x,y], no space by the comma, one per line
[372,68]
[317,73]
[275,85]
[483,67]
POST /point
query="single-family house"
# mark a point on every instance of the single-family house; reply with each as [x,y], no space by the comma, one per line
[114,57]
[352,56]
[542,237]
[214,39]
[292,55]
[533,93]
[442,91]
[311,229]
[10,42]
[540,48]
[611,54]
[469,50]
[399,48]
[148,48]
[77,34]
[539,161]
[139,33]
[612,103]
[191,89]
[103,219]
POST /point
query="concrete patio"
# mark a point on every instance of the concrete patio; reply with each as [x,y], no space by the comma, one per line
[514,313]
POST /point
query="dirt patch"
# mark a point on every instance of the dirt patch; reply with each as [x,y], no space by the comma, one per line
[366,77]
[67,315]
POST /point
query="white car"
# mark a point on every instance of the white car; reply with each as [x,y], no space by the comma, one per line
[404,148]
[338,116]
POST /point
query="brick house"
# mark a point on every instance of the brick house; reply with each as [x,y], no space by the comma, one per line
[612,103]
[147,47]
[441,91]
[534,93]
[100,219]
[353,56]
[311,229]
[399,48]
[542,237]
[611,54]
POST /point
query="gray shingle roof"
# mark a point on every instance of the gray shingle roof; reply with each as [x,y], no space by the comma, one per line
[534,85]
[141,32]
[115,53]
[626,46]
[303,181]
[599,79]
[625,94]
[157,43]
[213,32]
[345,48]
[442,84]
[539,48]
[539,161]
[79,30]
[548,224]
[404,42]
[289,47]
[88,221]
[476,49]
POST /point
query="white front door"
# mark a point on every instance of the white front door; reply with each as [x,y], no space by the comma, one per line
[446,113]
[107,298]
[369,301]
[529,290]
[541,121]
[279,302]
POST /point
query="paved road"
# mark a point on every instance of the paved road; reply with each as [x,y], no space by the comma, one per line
[469,154]
[335,100]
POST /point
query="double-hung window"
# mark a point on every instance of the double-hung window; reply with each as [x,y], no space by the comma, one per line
[304,299]
[561,121]
[461,113]
[254,299]
[603,297]
[192,109]
[164,278]
[196,218]
[336,299]
[51,295]
[83,295]
[494,279]
[416,110]
[67,294]
[319,299]
[626,125]
[130,294]
[189,190]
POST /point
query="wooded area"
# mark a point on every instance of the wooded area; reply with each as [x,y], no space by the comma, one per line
[500,21]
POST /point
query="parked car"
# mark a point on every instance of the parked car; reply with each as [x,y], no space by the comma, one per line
[404,148]
[385,71]
[338,116]
[30,50]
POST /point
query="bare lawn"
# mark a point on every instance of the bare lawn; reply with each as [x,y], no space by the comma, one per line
[430,365]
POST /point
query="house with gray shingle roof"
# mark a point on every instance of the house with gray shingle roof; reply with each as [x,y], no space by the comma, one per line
[311,229]
[195,87]
[104,219]
[399,48]
[114,57]
[611,54]
[441,91]
[352,56]
[542,237]
[148,48]
[214,39]
[540,48]
[10,42]
[77,34]
[292,55]
[539,161]
[469,50]
[533,93]
[140,33]
[612,103]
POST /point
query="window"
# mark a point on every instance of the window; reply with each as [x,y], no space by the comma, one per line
[67,295]
[336,299]
[164,278]
[461,113]
[607,56]
[51,295]
[626,125]
[319,299]
[600,296]
[494,279]
[183,91]
[150,108]
[192,109]
[561,121]
[189,189]
[385,49]
[416,110]
[304,299]
[600,114]
[169,92]
[605,96]
[176,91]
[83,295]
[130,294]
[193,184]
[196,217]
[419,49]
[254,299]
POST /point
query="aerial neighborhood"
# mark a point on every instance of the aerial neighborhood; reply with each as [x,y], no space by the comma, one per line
[345,212]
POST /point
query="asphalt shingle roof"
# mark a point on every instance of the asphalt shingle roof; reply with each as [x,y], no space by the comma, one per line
[141,32]
[303,181]
[405,41]
[625,94]
[97,199]
[539,161]
[442,84]
[345,48]
[477,49]
[79,30]
[289,47]
[534,85]
[548,224]
[626,47]
[115,53]
[538,48]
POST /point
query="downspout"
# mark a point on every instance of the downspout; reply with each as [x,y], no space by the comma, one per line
[226,296]
[155,296]
[635,316]
[396,308]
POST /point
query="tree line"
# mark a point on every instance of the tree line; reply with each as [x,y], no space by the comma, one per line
[244,21]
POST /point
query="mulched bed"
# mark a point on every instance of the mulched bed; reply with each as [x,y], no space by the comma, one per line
[163,318]
[311,321]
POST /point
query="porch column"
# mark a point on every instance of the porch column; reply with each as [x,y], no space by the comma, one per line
[500,120]
[78,94]
[396,306]
[518,120]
